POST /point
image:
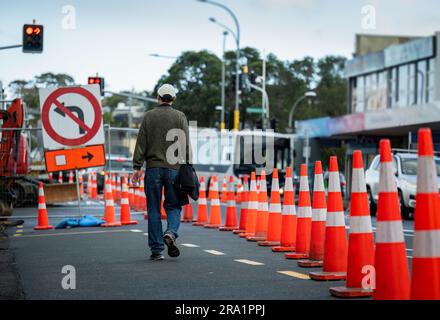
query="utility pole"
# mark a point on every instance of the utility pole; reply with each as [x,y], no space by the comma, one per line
[264,81]
[222,120]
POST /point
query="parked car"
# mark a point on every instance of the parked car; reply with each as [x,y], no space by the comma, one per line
[405,170]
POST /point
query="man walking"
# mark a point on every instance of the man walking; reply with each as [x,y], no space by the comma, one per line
[162,167]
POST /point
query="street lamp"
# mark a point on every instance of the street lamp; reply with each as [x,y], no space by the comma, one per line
[222,116]
[156,55]
[237,65]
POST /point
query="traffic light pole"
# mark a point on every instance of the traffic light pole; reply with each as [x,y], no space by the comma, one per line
[265,106]
[133,96]
[11,47]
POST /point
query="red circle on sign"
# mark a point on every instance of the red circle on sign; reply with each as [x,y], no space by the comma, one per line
[48,126]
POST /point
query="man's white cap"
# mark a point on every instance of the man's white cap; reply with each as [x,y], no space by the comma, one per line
[167,89]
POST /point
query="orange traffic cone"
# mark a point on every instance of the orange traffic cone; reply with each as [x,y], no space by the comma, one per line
[188,214]
[125,207]
[335,248]
[81,185]
[163,213]
[109,216]
[425,283]
[50,176]
[288,219]
[43,220]
[118,189]
[215,218]
[131,196]
[244,195]
[262,213]
[60,177]
[231,210]
[113,182]
[275,218]
[224,195]
[391,265]
[304,221]
[360,239]
[202,210]
[210,189]
[239,191]
[252,208]
[70,176]
[94,186]
[319,213]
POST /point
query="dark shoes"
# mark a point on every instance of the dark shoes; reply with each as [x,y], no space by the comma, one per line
[156,256]
[169,240]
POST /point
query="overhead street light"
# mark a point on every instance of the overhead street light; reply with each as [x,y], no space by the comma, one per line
[237,65]
[156,55]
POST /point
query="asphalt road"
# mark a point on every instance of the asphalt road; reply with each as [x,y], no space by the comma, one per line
[114,263]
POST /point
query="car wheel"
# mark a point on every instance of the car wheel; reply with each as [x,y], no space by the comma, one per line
[403,210]
[373,206]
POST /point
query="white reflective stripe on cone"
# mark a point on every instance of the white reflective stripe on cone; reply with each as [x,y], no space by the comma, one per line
[334,185]
[252,205]
[318,184]
[41,206]
[426,175]
[231,203]
[358,181]
[288,184]
[275,207]
[387,179]
[262,206]
[389,232]
[426,244]
[109,202]
[360,224]
[108,188]
[202,201]
[303,184]
[304,212]
[335,219]
[215,202]
[289,209]
[124,201]
[124,188]
[319,214]
[41,192]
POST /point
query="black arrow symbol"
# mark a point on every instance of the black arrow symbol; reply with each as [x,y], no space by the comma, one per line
[89,156]
[75,109]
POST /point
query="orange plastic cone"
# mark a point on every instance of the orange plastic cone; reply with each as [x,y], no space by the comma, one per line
[163,213]
[319,214]
[215,218]
[288,219]
[335,249]
[275,218]
[109,216]
[210,189]
[360,239]
[125,207]
[113,182]
[50,176]
[304,221]
[262,213]
[81,185]
[392,274]
[224,195]
[239,197]
[43,220]
[60,177]
[118,189]
[252,208]
[188,214]
[425,283]
[231,210]
[243,206]
[70,176]
[143,196]
[202,210]
[131,196]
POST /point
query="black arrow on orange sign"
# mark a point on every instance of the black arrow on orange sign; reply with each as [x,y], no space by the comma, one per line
[89,156]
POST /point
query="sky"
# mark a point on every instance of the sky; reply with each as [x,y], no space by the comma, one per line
[115,38]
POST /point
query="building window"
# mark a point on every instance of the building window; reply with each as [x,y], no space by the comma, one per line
[403,86]
[360,94]
[353,94]
[381,91]
[430,80]
[421,81]
[412,84]
[394,87]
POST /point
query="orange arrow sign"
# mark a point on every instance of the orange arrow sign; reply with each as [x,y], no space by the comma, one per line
[69,159]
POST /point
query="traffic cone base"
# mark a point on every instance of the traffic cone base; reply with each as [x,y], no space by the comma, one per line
[48,227]
[344,292]
[328,276]
[111,224]
[309,263]
[246,234]
[128,222]
[238,231]
[255,238]
[226,228]
[296,256]
[283,249]
[212,226]
[268,243]
[188,214]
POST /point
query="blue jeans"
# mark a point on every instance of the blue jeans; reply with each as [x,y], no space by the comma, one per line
[155,180]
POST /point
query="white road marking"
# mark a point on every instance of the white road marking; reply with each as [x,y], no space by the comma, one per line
[215,252]
[190,245]
[135,230]
[252,263]
[295,274]
[146,234]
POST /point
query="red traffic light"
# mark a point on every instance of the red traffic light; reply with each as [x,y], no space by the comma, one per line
[93,80]
[29,30]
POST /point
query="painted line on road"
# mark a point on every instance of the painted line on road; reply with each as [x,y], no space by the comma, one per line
[215,252]
[146,234]
[136,230]
[295,275]
[69,233]
[190,245]
[252,263]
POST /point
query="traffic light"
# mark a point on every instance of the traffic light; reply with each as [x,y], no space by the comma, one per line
[33,38]
[97,80]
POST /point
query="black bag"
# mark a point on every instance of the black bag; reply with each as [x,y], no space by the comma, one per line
[187,184]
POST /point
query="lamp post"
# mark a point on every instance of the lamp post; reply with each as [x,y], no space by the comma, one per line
[222,116]
[237,65]
[308,95]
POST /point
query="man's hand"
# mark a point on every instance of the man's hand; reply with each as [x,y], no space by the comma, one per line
[135,177]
